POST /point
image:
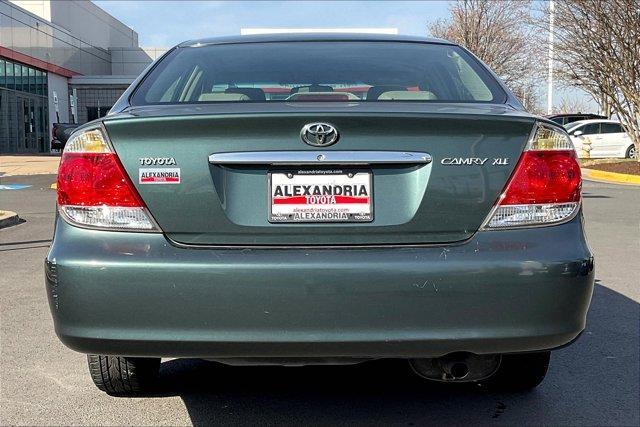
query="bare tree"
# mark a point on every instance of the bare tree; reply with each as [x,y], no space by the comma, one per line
[501,35]
[598,49]
[571,105]
[528,95]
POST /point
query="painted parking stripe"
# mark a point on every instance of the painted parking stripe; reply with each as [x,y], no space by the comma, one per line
[13,186]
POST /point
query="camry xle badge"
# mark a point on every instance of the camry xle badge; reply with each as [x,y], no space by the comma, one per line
[157,161]
[460,161]
[319,134]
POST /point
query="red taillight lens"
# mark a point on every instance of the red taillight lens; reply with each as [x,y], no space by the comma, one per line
[545,186]
[94,179]
[544,177]
[93,188]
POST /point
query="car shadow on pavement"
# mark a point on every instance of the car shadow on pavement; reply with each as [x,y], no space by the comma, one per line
[594,381]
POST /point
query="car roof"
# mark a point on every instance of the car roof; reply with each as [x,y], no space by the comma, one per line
[303,37]
[585,122]
[549,116]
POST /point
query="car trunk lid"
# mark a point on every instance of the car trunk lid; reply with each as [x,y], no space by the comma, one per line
[473,150]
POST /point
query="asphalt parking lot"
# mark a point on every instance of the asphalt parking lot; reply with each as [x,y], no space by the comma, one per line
[593,382]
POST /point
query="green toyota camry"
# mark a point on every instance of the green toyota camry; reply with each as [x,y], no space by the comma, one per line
[319,199]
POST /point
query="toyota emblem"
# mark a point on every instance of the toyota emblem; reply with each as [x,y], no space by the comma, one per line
[319,134]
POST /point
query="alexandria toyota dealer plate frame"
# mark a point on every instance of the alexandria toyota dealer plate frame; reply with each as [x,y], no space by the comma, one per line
[354,215]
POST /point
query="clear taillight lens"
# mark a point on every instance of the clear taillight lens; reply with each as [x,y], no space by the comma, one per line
[93,188]
[545,185]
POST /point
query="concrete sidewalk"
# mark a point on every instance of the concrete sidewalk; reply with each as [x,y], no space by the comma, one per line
[28,165]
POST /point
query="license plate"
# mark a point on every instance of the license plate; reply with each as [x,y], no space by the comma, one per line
[320,196]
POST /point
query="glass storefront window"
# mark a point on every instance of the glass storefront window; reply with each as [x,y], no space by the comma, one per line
[25,78]
[10,77]
[2,73]
[32,81]
[25,109]
[17,76]
[22,78]
[39,82]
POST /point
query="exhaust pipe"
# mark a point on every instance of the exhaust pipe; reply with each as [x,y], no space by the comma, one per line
[457,367]
[457,370]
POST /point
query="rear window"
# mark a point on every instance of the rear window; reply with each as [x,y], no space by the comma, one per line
[317,72]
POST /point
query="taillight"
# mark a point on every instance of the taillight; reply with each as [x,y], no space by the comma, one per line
[545,186]
[93,188]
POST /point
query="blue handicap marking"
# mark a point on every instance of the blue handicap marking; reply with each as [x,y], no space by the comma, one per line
[13,186]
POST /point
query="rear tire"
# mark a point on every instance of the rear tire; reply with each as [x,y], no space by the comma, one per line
[123,376]
[519,372]
[631,152]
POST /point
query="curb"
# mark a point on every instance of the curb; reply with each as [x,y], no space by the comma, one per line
[8,218]
[610,177]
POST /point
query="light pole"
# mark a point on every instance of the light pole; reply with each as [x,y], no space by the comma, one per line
[552,9]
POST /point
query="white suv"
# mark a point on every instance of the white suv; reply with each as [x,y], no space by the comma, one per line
[607,137]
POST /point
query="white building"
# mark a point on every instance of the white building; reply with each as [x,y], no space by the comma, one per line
[51,49]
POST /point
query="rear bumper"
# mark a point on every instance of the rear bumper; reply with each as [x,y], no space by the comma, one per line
[136,294]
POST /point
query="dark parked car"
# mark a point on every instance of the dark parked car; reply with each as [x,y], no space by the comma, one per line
[60,133]
[428,217]
[563,119]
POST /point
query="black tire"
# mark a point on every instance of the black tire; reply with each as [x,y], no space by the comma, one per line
[123,376]
[519,372]
[631,152]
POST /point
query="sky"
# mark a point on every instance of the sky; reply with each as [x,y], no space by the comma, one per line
[167,23]
[163,24]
